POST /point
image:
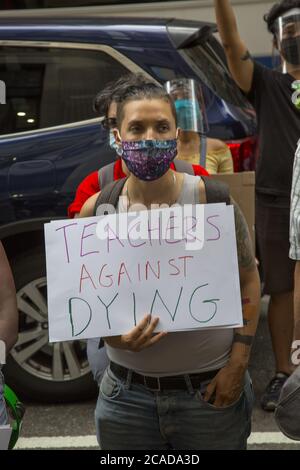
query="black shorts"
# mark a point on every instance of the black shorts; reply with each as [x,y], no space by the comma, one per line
[272,235]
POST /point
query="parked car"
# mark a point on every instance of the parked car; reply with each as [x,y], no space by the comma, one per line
[50,139]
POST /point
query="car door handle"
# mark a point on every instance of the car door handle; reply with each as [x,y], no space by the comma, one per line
[6,158]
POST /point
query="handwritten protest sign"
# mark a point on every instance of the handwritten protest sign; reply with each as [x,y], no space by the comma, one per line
[105,273]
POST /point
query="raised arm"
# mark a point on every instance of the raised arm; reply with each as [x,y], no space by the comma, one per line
[8,304]
[239,60]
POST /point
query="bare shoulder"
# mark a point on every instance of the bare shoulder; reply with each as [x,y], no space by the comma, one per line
[215,145]
[87,209]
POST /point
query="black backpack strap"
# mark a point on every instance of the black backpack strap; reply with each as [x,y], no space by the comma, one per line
[106,175]
[216,191]
[183,167]
[109,196]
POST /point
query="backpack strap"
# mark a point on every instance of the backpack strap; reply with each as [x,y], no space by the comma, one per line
[109,196]
[106,175]
[183,167]
[216,191]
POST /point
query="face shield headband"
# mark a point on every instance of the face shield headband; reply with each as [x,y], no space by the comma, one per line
[190,108]
[287,32]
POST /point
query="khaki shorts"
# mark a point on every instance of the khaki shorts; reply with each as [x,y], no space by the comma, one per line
[272,234]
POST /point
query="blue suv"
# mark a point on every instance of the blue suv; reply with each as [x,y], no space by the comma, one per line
[50,140]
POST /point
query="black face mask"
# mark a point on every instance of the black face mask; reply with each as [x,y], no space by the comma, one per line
[290,48]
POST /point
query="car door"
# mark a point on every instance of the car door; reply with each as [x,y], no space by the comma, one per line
[50,139]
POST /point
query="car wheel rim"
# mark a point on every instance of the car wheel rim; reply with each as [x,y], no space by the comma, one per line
[56,362]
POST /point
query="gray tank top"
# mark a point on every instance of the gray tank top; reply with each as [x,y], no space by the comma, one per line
[181,352]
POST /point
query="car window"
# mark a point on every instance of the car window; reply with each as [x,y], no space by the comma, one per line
[209,62]
[48,87]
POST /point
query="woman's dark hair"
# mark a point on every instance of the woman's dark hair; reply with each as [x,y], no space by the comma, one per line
[144,91]
[114,90]
[278,10]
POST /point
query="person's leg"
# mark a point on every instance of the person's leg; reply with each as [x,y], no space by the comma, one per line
[3,411]
[278,274]
[281,325]
[193,424]
[98,361]
[127,419]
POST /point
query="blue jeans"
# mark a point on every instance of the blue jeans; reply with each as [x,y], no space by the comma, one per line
[130,417]
[3,412]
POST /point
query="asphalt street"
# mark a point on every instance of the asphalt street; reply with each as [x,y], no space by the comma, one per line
[72,426]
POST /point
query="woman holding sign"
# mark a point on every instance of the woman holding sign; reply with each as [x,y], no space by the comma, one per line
[183,390]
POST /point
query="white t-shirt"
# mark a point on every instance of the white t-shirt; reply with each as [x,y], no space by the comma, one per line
[180,352]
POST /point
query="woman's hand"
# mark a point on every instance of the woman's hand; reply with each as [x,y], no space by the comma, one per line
[138,338]
[226,386]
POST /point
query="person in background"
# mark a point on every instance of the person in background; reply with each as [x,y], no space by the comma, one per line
[218,154]
[219,158]
[8,320]
[270,92]
[193,144]
[295,239]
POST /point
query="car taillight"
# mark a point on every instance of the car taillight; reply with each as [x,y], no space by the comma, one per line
[243,154]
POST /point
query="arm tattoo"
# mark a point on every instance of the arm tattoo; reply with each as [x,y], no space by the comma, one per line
[246,56]
[244,339]
[249,313]
[245,302]
[244,245]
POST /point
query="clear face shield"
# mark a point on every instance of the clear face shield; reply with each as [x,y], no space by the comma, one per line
[287,31]
[190,109]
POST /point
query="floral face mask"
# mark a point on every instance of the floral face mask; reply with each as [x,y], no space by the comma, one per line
[149,160]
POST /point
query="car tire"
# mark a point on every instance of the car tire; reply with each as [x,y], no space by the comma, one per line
[41,377]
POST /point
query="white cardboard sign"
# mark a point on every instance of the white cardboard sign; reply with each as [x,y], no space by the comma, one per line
[105,273]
